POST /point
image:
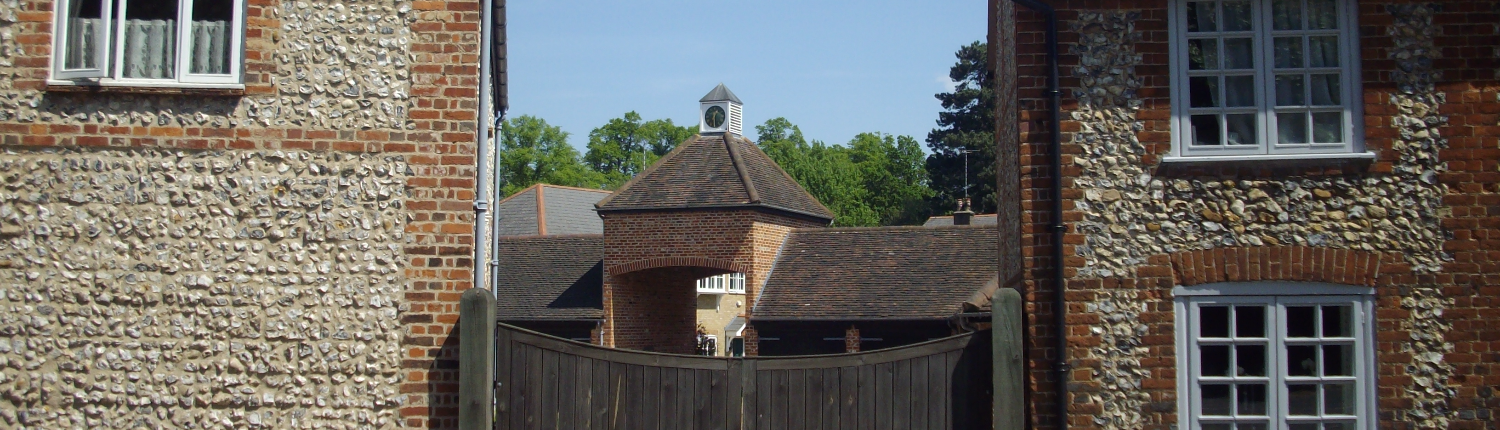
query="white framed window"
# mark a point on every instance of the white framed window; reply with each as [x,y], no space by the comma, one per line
[732,283]
[1265,79]
[149,43]
[1295,362]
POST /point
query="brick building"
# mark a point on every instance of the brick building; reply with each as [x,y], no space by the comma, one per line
[236,213]
[1275,214]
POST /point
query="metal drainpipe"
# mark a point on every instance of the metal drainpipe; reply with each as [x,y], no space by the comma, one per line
[495,218]
[482,149]
[1059,304]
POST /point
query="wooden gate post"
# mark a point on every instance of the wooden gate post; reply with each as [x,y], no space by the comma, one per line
[476,360]
[1009,397]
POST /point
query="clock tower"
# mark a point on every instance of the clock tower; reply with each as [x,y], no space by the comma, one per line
[721,112]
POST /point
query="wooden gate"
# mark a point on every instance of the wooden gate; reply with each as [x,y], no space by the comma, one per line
[543,382]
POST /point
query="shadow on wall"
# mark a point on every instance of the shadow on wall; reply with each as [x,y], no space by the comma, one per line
[442,384]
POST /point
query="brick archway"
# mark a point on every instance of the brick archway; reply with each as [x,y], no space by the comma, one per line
[1276,263]
[658,262]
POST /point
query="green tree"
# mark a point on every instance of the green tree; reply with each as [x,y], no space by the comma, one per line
[877,179]
[625,146]
[966,123]
[893,173]
[531,152]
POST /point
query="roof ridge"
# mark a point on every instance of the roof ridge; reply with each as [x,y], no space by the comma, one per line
[551,236]
[739,167]
[892,228]
[659,162]
[565,187]
[517,193]
[789,177]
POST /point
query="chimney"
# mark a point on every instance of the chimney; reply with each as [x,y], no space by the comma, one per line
[963,215]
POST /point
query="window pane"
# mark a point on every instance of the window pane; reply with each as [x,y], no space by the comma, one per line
[1237,16]
[1249,321]
[1216,426]
[1286,15]
[1213,360]
[1323,51]
[1322,14]
[1304,427]
[1206,132]
[1290,90]
[1216,400]
[1338,426]
[150,50]
[210,36]
[1338,360]
[1250,360]
[1301,360]
[1291,127]
[1250,399]
[1300,321]
[1302,399]
[1239,91]
[1251,426]
[1203,54]
[1338,399]
[1239,53]
[1337,321]
[1328,127]
[1201,16]
[85,26]
[1203,91]
[1288,52]
[1325,90]
[1213,321]
[1241,129]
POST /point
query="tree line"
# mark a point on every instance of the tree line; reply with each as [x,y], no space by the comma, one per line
[873,179]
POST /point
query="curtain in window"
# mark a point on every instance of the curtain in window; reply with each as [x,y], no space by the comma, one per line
[83,38]
[210,47]
[150,48]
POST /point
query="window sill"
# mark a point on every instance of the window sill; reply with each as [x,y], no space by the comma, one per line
[1346,156]
[171,88]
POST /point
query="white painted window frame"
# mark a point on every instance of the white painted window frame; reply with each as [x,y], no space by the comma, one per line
[1276,296]
[111,74]
[1267,148]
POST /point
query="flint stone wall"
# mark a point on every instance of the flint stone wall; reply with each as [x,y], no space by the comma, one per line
[240,289]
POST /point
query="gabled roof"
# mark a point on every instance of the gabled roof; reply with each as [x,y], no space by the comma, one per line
[719,93]
[715,171]
[942,220]
[543,209]
[551,278]
[898,273]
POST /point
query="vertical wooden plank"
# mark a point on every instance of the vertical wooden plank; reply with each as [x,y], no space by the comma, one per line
[651,398]
[636,401]
[734,394]
[520,383]
[619,394]
[901,395]
[918,390]
[751,389]
[831,399]
[779,399]
[603,403]
[849,393]
[718,399]
[669,395]
[534,383]
[567,373]
[550,412]
[962,416]
[812,404]
[701,401]
[867,397]
[503,374]
[1008,367]
[765,405]
[686,391]
[476,359]
[583,386]
[884,373]
[937,391]
[796,403]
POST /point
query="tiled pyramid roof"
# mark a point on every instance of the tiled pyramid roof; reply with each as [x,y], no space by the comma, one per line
[715,171]
[878,273]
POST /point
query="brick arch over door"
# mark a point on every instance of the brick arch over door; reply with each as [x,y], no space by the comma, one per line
[1277,263]
[657,262]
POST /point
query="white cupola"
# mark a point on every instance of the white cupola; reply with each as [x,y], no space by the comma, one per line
[720,112]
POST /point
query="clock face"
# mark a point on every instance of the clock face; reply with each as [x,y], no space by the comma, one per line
[714,117]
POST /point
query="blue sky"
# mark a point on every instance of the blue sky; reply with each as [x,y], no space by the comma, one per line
[833,68]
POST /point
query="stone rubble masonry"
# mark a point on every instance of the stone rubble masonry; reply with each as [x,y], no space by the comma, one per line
[647,250]
[1418,224]
[312,327]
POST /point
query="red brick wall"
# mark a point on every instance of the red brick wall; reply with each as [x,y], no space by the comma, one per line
[714,241]
[1468,67]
